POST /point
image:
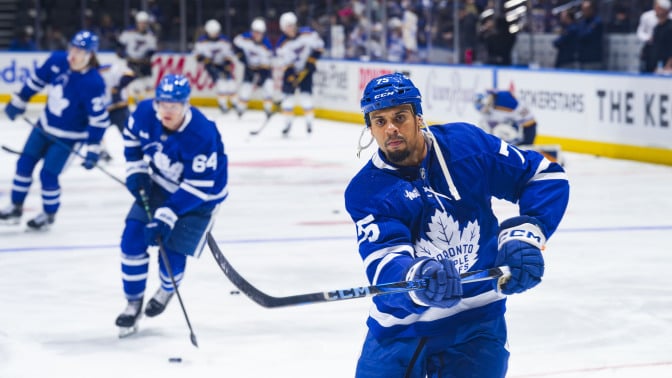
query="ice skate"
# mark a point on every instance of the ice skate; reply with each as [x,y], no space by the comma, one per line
[309,127]
[285,131]
[158,303]
[11,214]
[42,222]
[224,109]
[127,321]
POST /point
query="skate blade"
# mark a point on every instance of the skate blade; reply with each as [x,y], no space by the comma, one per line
[10,222]
[37,230]
[127,331]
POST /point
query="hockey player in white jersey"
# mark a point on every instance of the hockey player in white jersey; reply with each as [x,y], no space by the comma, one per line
[75,114]
[422,207]
[176,168]
[255,52]
[509,119]
[297,52]
[137,45]
[214,52]
[117,77]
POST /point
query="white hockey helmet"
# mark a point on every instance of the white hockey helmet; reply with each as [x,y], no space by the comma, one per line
[212,27]
[141,16]
[286,20]
[259,25]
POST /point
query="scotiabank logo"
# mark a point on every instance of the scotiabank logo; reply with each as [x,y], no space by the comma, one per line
[177,64]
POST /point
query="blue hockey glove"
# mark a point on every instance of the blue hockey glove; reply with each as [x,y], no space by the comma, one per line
[137,182]
[161,226]
[92,156]
[444,289]
[520,242]
[15,107]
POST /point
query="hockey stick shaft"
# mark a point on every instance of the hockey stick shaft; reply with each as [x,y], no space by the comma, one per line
[164,257]
[269,301]
[11,150]
[72,151]
[263,126]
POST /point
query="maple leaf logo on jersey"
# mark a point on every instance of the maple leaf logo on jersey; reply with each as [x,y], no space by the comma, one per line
[56,103]
[171,171]
[445,240]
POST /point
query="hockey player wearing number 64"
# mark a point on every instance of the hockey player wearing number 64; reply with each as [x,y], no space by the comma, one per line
[422,210]
[176,169]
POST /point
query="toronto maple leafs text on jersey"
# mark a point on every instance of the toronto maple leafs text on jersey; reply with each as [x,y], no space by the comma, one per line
[402,213]
[188,164]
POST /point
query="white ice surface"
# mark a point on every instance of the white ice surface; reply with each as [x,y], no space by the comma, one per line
[603,310]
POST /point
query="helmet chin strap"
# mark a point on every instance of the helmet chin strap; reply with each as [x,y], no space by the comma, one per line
[360,146]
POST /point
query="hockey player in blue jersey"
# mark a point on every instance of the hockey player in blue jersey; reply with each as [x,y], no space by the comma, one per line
[175,163]
[75,113]
[422,210]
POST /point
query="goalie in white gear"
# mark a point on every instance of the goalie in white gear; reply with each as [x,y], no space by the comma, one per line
[507,118]
[214,52]
[297,52]
[255,52]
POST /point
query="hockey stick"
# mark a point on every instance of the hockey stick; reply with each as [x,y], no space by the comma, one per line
[269,301]
[72,151]
[164,257]
[263,126]
[268,119]
[11,150]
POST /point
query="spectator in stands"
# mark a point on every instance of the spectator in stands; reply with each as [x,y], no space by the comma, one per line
[567,42]
[620,24]
[24,40]
[468,23]
[108,32]
[55,39]
[498,41]
[647,22]
[396,52]
[661,46]
[410,31]
[590,37]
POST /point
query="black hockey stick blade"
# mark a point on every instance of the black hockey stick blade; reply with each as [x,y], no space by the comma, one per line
[11,150]
[263,126]
[269,301]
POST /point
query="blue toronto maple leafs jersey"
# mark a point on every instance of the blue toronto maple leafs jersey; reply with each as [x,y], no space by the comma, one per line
[189,163]
[402,213]
[76,106]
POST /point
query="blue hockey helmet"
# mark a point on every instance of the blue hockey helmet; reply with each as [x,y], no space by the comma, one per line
[173,88]
[387,91]
[85,40]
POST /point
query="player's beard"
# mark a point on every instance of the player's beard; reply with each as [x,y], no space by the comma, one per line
[398,156]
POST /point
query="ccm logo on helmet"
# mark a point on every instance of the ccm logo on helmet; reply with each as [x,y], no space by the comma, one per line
[383,95]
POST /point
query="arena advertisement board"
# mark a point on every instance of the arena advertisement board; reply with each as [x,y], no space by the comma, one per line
[621,109]
[448,91]
[617,115]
